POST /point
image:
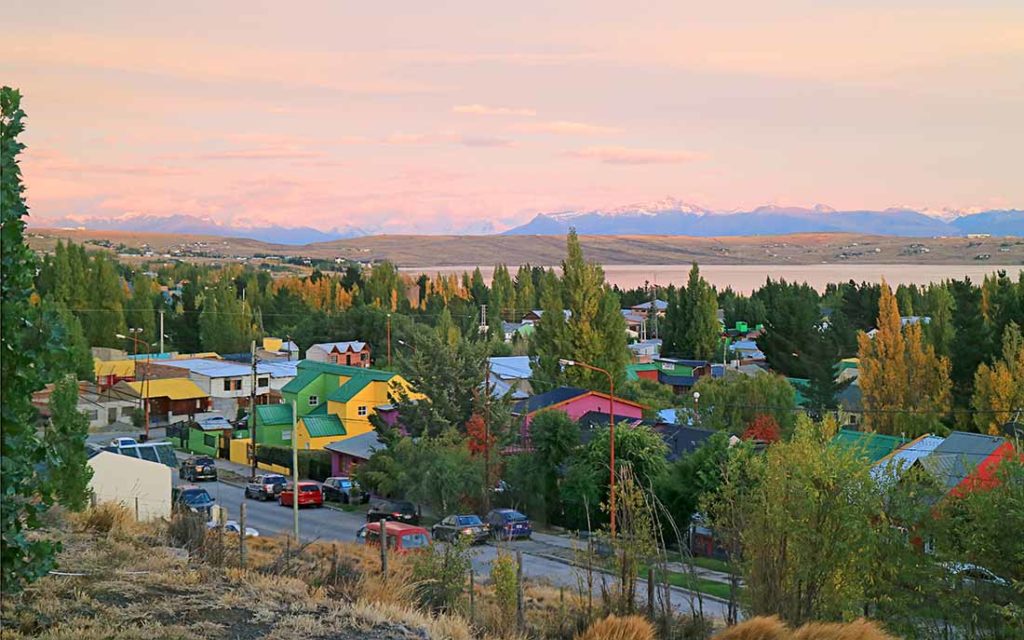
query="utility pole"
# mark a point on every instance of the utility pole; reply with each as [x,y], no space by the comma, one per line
[252,411]
[487,435]
[295,475]
[389,341]
[161,331]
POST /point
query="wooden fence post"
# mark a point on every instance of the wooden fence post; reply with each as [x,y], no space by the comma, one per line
[520,604]
[241,535]
[472,595]
[383,548]
[136,508]
[650,592]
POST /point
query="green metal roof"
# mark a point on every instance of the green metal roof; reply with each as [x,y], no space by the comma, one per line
[267,414]
[321,410]
[873,446]
[632,369]
[343,370]
[303,379]
[323,426]
[347,391]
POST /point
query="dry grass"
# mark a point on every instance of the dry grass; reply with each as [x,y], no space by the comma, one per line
[772,628]
[616,628]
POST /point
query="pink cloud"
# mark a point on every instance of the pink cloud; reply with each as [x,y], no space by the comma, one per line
[261,154]
[486,141]
[626,155]
[482,110]
[567,127]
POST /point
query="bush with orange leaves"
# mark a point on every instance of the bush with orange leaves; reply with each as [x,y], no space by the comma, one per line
[616,628]
[763,628]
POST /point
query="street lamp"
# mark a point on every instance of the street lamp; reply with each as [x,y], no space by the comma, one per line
[611,435]
[696,399]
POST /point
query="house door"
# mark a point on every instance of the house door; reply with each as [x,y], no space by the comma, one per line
[112,415]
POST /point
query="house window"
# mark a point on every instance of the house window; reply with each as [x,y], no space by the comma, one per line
[210,440]
[126,412]
[262,382]
[363,356]
[313,401]
[668,366]
[286,436]
[237,384]
[227,385]
[94,414]
[361,410]
[334,358]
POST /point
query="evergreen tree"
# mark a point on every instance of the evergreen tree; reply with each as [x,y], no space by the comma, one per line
[703,332]
[673,329]
[23,557]
[54,323]
[526,293]
[139,309]
[551,337]
[905,386]
[104,318]
[478,289]
[501,300]
[226,323]
[940,331]
[65,438]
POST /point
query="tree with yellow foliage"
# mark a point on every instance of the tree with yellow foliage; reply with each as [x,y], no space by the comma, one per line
[905,385]
[999,389]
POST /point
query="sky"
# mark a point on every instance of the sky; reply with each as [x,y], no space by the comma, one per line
[449,116]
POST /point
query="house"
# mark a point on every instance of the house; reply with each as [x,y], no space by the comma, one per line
[101,409]
[645,351]
[510,374]
[636,323]
[575,403]
[965,461]
[533,316]
[644,371]
[209,434]
[904,322]
[644,308]
[347,454]
[847,369]
[274,349]
[228,384]
[169,399]
[682,374]
[899,460]
[746,351]
[110,372]
[144,487]
[512,330]
[850,401]
[332,402]
[352,353]
[870,446]
[683,439]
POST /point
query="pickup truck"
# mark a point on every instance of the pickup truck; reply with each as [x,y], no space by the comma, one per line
[265,487]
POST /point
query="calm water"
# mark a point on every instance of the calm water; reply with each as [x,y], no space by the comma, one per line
[746,278]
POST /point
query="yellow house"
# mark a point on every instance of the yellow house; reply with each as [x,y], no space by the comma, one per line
[333,402]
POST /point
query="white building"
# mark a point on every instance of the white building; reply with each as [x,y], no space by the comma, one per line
[137,484]
[226,381]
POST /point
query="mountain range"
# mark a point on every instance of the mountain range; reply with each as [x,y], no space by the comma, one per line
[668,217]
[674,217]
[186,224]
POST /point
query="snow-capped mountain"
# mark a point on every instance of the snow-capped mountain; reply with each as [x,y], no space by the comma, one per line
[675,217]
[186,224]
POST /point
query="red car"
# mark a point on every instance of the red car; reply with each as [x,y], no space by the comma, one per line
[310,495]
[402,538]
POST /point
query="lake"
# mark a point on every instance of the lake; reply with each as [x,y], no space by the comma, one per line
[746,278]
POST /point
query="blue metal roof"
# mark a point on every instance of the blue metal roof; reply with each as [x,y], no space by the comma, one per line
[904,457]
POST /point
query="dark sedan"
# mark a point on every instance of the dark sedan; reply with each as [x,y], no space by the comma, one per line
[507,524]
[393,510]
[469,527]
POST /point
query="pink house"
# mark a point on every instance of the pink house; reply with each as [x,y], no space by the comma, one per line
[575,403]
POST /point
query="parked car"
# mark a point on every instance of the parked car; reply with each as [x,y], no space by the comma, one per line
[265,487]
[345,490]
[984,583]
[198,468]
[233,527]
[310,495]
[507,524]
[123,442]
[393,510]
[470,527]
[402,538]
[190,498]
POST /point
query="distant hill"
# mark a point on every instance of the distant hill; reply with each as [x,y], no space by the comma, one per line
[193,225]
[681,219]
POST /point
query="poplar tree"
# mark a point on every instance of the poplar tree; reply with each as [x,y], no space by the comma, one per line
[905,386]
[703,331]
[140,309]
[940,331]
[551,337]
[65,438]
[526,294]
[999,389]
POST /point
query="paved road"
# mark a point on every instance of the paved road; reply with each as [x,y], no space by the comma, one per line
[330,524]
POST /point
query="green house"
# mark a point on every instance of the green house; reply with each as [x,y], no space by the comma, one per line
[871,446]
